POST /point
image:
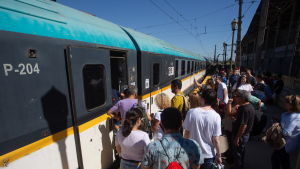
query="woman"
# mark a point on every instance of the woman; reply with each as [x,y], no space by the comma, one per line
[209,85]
[194,99]
[130,141]
[242,84]
[290,124]
[162,101]
[260,86]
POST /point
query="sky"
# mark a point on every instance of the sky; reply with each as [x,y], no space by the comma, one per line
[180,22]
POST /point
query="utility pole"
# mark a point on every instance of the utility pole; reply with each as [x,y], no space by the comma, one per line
[215,54]
[261,34]
[238,41]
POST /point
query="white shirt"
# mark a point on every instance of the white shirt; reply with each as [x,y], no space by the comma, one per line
[134,145]
[203,125]
[245,86]
[159,132]
[220,93]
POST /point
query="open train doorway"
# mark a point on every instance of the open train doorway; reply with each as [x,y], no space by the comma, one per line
[118,70]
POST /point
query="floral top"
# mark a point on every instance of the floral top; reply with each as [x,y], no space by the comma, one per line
[254,100]
[184,151]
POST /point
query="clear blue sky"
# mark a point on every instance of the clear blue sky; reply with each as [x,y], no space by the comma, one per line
[138,14]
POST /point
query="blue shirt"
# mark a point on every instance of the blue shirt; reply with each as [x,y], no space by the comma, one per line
[233,78]
[224,79]
[291,130]
[184,151]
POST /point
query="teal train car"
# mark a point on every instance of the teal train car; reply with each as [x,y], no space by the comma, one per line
[59,68]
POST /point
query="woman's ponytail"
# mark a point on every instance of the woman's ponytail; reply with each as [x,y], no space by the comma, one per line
[132,117]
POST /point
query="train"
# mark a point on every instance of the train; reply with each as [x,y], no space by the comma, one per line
[59,68]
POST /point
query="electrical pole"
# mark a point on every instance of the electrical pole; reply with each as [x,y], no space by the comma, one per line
[238,41]
[215,54]
[261,34]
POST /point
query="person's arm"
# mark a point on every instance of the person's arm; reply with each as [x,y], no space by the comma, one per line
[199,85]
[259,105]
[112,114]
[186,134]
[225,94]
[155,124]
[239,134]
[119,150]
[277,88]
[149,117]
[196,166]
[216,141]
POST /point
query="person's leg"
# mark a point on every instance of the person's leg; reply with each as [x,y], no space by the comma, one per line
[285,162]
[244,139]
[237,153]
[276,159]
[207,163]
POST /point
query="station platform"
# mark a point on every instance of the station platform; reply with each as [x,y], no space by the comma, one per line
[258,153]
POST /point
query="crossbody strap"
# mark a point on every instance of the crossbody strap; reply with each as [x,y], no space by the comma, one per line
[166,151]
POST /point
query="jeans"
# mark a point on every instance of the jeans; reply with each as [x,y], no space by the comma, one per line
[229,155]
[208,163]
[129,165]
[239,151]
[280,157]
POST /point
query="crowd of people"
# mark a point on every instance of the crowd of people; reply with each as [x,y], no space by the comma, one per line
[187,129]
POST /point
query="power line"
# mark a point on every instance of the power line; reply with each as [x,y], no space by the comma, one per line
[182,21]
[181,26]
[248,8]
[196,35]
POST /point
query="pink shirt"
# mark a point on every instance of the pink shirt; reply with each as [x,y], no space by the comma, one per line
[134,145]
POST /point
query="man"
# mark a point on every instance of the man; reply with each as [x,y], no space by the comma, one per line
[251,78]
[278,87]
[177,101]
[203,124]
[241,126]
[224,77]
[222,93]
[115,94]
[233,78]
[269,81]
[124,105]
[172,147]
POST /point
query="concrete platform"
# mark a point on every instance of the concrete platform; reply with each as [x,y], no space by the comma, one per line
[258,153]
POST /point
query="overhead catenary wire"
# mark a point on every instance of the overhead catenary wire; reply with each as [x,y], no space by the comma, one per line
[199,40]
[185,21]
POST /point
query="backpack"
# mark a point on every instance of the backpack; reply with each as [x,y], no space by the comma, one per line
[145,124]
[268,92]
[173,164]
[186,105]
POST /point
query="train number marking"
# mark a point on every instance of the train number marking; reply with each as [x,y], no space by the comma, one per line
[8,67]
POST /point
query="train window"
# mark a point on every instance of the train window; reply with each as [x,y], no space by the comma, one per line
[155,74]
[192,66]
[94,86]
[176,68]
[182,67]
[188,67]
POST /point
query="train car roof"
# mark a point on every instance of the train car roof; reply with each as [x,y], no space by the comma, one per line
[51,19]
[152,44]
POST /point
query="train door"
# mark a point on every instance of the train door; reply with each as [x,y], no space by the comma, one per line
[90,87]
[156,80]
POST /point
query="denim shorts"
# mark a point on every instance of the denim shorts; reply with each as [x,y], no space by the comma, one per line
[129,165]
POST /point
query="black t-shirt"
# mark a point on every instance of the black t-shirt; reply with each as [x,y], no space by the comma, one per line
[245,116]
[252,80]
[261,87]
[280,84]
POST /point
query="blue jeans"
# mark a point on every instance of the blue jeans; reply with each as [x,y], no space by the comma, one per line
[129,165]
[208,163]
[239,151]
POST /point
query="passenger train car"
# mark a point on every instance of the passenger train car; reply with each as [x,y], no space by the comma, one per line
[59,67]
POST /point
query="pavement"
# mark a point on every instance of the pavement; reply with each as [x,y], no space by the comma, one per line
[258,153]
